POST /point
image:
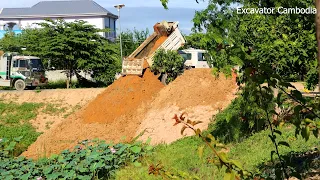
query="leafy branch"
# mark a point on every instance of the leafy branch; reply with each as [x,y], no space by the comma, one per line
[234,168]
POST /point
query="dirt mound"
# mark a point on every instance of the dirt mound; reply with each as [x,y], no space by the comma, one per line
[196,92]
[196,87]
[133,104]
[122,98]
[114,114]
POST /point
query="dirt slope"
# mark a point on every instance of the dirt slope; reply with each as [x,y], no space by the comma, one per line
[114,114]
[197,93]
[122,98]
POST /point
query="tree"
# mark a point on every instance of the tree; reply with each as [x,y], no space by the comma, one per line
[74,46]
[317,2]
[271,50]
[10,42]
[169,64]
[131,40]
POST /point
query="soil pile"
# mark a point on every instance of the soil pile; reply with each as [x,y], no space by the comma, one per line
[198,93]
[133,104]
[196,87]
[116,113]
[122,98]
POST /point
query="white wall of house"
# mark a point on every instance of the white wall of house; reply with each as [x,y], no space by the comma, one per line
[98,22]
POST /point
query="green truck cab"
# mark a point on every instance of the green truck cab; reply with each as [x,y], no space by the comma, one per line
[21,72]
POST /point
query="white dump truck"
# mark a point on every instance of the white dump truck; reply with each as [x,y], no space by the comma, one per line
[21,71]
[166,36]
[195,58]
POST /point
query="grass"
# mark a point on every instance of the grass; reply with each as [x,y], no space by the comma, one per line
[14,122]
[53,109]
[73,110]
[182,156]
[61,84]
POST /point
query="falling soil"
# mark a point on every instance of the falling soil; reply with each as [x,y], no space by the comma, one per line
[122,98]
[158,44]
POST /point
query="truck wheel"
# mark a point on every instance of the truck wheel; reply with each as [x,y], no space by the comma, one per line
[19,85]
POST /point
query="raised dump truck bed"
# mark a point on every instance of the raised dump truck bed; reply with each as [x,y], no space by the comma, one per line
[166,35]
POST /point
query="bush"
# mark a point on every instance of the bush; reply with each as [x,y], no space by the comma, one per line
[89,160]
[169,64]
[239,120]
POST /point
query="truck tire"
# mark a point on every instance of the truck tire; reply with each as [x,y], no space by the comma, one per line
[19,85]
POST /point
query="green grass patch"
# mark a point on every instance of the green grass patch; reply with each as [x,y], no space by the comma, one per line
[182,155]
[14,122]
[53,109]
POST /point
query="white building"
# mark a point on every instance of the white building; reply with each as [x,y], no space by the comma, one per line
[69,10]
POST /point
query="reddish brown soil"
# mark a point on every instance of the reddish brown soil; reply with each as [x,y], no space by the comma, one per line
[115,113]
[197,87]
[158,44]
[198,93]
[122,98]
[131,105]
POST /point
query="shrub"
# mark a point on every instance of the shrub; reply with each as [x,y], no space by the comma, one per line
[238,121]
[169,64]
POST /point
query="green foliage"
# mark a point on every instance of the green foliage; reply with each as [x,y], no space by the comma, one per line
[10,42]
[239,120]
[169,63]
[182,156]
[14,122]
[272,49]
[53,109]
[131,40]
[88,160]
[71,46]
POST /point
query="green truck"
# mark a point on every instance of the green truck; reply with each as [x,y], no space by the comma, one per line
[21,72]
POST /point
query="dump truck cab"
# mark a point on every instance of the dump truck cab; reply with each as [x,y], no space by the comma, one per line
[21,71]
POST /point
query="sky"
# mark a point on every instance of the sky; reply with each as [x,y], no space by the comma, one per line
[140,14]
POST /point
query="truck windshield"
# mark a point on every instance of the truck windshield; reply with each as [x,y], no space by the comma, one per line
[36,63]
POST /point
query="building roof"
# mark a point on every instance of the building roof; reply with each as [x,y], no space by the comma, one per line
[57,9]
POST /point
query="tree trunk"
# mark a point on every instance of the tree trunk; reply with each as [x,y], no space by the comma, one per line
[164,78]
[317,2]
